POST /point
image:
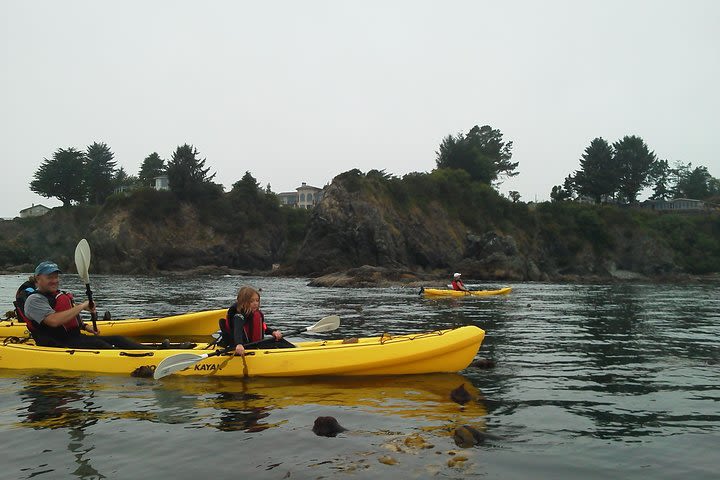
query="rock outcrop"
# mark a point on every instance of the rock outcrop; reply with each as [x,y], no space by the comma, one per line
[364,228]
[366,234]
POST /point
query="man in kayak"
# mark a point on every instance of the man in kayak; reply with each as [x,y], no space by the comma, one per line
[245,322]
[458,284]
[54,320]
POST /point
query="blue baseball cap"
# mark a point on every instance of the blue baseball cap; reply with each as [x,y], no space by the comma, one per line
[46,268]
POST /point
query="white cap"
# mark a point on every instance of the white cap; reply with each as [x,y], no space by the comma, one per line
[456,275]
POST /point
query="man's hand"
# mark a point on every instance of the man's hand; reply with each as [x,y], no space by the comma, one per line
[240,350]
[89,328]
[277,335]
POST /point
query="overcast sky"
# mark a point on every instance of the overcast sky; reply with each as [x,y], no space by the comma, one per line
[299,91]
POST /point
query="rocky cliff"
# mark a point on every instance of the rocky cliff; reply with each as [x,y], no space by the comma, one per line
[356,226]
[123,242]
[375,230]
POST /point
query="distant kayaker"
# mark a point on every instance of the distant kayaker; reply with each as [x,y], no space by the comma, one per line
[245,322]
[54,320]
[457,283]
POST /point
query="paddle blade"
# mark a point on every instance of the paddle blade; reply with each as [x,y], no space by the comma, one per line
[82,260]
[327,324]
[175,363]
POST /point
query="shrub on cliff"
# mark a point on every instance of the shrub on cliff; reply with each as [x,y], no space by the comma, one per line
[695,239]
[145,204]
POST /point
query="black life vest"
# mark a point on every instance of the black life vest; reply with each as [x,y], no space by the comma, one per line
[23,292]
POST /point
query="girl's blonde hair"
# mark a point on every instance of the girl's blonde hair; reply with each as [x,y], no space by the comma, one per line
[244,297]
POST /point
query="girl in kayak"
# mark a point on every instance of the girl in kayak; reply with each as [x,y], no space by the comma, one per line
[245,322]
[458,284]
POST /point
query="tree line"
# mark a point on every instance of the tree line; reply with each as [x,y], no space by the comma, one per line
[618,172]
[91,176]
[615,173]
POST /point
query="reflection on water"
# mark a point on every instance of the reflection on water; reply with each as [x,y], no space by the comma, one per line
[71,401]
[591,381]
[86,406]
[55,402]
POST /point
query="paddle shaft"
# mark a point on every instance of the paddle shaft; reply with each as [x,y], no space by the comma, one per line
[91,304]
[291,332]
[252,344]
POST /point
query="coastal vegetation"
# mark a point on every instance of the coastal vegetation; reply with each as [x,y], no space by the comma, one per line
[451,218]
[617,173]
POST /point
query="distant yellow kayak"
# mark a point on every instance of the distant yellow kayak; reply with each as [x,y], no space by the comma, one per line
[413,353]
[194,323]
[442,292]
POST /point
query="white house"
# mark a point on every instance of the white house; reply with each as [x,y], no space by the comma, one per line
[305,196]
[675,205]
[162,182]
[34,211]
[308,196]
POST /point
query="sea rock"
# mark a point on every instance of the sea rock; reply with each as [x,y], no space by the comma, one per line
[483,363]
[463,438]
[144,371]
[366,276]
[387,460]
[467,436]
[456,460]
[460,395]
[327,427]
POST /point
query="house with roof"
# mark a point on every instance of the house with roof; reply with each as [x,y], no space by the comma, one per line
[162,182]
[34,211]
[675,205]
[305,196]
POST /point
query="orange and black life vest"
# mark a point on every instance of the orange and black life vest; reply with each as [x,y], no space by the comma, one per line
[253,326]
[59,301]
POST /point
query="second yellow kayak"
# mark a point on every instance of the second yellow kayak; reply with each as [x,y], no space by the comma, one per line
[194,323]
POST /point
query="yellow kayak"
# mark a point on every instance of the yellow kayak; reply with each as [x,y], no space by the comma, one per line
[194,323]
[439,351]
[441,292]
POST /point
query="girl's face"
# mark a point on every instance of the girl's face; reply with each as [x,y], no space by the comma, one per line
[254,303]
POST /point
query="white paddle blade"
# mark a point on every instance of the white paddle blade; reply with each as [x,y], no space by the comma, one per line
[82,260]
[327,324]
[175,363]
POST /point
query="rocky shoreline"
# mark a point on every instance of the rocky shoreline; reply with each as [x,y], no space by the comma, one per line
[369,276]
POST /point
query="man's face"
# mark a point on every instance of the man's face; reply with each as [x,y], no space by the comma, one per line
[48,283]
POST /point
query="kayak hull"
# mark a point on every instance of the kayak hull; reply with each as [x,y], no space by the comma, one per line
[441,292]
[194,323]
[440,351]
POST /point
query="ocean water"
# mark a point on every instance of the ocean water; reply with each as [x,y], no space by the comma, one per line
[591,381]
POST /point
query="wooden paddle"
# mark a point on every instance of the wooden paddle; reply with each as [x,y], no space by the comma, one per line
[181,361]
[82,263]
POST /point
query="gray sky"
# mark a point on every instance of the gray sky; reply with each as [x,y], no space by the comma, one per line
[301,91]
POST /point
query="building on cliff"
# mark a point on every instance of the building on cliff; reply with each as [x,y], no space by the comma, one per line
[688,205]
[162,182]
[305,196]
[34,211]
